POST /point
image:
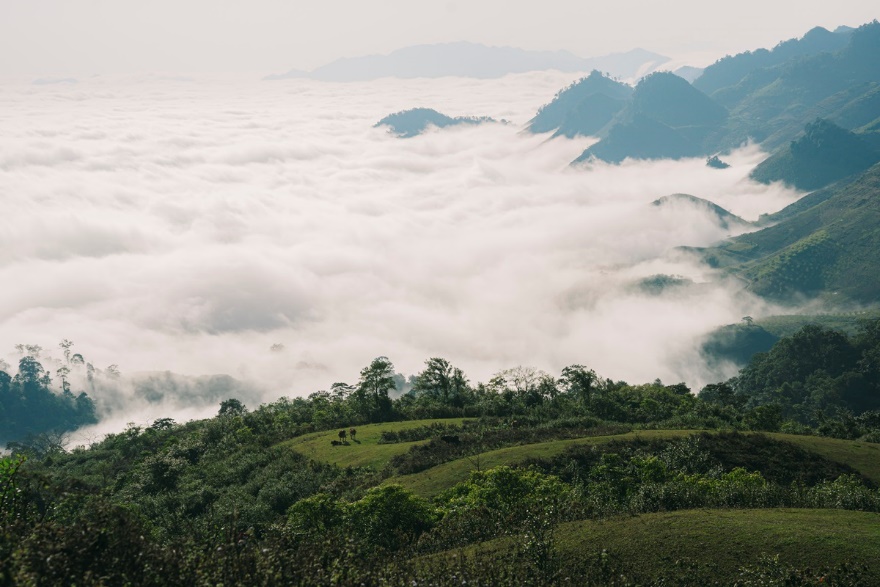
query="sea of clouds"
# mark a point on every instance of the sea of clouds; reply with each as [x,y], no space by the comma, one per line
[188,225]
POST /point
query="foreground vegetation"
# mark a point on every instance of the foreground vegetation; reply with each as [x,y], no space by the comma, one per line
[524,479]
[715,546]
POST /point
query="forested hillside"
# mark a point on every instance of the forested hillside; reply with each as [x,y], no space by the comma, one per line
[764,96]
[29,405]
[823,246]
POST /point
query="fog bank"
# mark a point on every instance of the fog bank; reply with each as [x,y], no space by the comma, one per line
[189,226]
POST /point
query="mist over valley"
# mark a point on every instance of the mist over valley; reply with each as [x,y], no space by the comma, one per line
[190,226]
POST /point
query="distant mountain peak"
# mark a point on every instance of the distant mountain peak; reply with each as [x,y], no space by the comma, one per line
[571,110]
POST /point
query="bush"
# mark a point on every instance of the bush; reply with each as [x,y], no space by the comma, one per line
[390,516]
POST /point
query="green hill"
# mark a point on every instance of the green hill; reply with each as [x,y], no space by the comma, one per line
[712,546]
[855,107]
[365,449]
[736,343]
[864,457]
[724,218]
[825,154]
[708,547]
[261,497]
[830,249]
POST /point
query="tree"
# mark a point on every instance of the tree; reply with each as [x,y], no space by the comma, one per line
[391,516]
[65,346]
[29,350]
[162,424]
[232,407]
[314,515]
[767,418]
[376,381]
[30,371]
[578,381]
[62,373]
[525,384]
[722,394]
[442,382]
[511,493]
[341,391]
[41,444]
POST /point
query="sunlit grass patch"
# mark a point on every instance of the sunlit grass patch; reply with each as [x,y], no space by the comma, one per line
[364,450]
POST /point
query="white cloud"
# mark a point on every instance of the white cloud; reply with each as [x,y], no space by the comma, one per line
[189,227]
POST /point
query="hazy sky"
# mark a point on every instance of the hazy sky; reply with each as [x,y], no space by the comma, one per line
[81,37]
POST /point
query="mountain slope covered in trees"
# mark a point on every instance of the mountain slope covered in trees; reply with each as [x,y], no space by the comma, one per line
[729,70]
[583,108]
[830,248]
[762,96]
[824,154]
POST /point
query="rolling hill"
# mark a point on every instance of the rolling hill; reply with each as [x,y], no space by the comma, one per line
[711,547]
[719,215]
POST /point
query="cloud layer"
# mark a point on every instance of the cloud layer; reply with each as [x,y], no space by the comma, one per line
[190,225]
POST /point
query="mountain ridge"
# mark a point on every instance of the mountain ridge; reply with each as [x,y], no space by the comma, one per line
[467,59]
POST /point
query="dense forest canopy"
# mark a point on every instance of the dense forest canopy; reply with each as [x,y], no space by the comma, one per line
[31,406]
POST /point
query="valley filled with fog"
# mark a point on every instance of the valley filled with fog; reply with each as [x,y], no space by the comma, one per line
[267,231]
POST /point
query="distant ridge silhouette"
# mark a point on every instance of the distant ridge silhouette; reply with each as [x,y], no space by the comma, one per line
[464,59]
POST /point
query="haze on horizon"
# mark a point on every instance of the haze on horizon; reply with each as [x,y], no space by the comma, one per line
[86,37]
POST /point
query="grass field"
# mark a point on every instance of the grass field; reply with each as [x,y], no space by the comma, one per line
[861,456]
[702,547]
[434,480]
[728,539]
[365,451]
